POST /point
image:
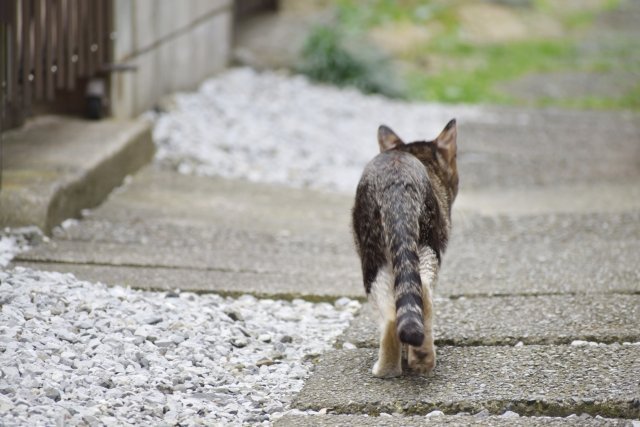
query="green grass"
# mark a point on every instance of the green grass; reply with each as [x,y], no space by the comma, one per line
[495,64]
[448,69]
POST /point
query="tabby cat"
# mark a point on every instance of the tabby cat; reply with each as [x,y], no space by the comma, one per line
[401,223]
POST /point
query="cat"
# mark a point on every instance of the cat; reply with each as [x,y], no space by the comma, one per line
[401,224]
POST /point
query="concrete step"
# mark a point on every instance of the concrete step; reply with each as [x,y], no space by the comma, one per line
[529,380]
[302,239]
[554,319]
[447,420]
[56,166]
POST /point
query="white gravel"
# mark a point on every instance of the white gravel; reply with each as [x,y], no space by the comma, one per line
[272,127]
[73,352]
[9,246]
[16,240]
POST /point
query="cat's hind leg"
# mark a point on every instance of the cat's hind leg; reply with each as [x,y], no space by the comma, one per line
[389,363]
[423,359]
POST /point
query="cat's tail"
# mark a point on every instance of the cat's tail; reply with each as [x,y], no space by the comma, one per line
[400,220]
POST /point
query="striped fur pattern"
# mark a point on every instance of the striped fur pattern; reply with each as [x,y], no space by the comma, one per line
[401,222]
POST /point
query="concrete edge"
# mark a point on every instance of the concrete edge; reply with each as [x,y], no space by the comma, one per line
[80,185]
[91,187]
[161,279]
[510,419]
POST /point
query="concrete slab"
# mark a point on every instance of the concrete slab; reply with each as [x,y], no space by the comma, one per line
[240,256]
[167,196]
[523,148]
[577,198]
[185,232]
[552,254]
[566,253]
[274,285]
[444,420]
[56,166]
[529,380]
[557,319]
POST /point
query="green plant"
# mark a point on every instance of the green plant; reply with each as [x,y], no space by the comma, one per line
[326,57]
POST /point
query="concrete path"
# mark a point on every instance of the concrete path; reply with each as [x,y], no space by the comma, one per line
[544,255]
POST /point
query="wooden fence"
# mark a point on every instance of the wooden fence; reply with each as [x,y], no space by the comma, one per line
[49,48]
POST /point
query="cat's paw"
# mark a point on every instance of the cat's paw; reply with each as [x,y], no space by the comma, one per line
[421,361]
[381,371]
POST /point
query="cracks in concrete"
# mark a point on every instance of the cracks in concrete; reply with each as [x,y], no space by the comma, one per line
[537,294]
[629,339]
[133,265]
[626,409]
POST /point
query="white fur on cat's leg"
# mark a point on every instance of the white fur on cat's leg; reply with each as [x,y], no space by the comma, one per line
[389,363]
[423,359]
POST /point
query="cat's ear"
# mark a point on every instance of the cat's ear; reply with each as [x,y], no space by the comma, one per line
[387,139]
[447,145]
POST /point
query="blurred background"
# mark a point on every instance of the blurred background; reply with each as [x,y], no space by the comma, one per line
[575,53]
[121,57]
[291,92]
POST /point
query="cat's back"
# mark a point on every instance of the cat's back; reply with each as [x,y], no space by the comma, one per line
[394,167]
